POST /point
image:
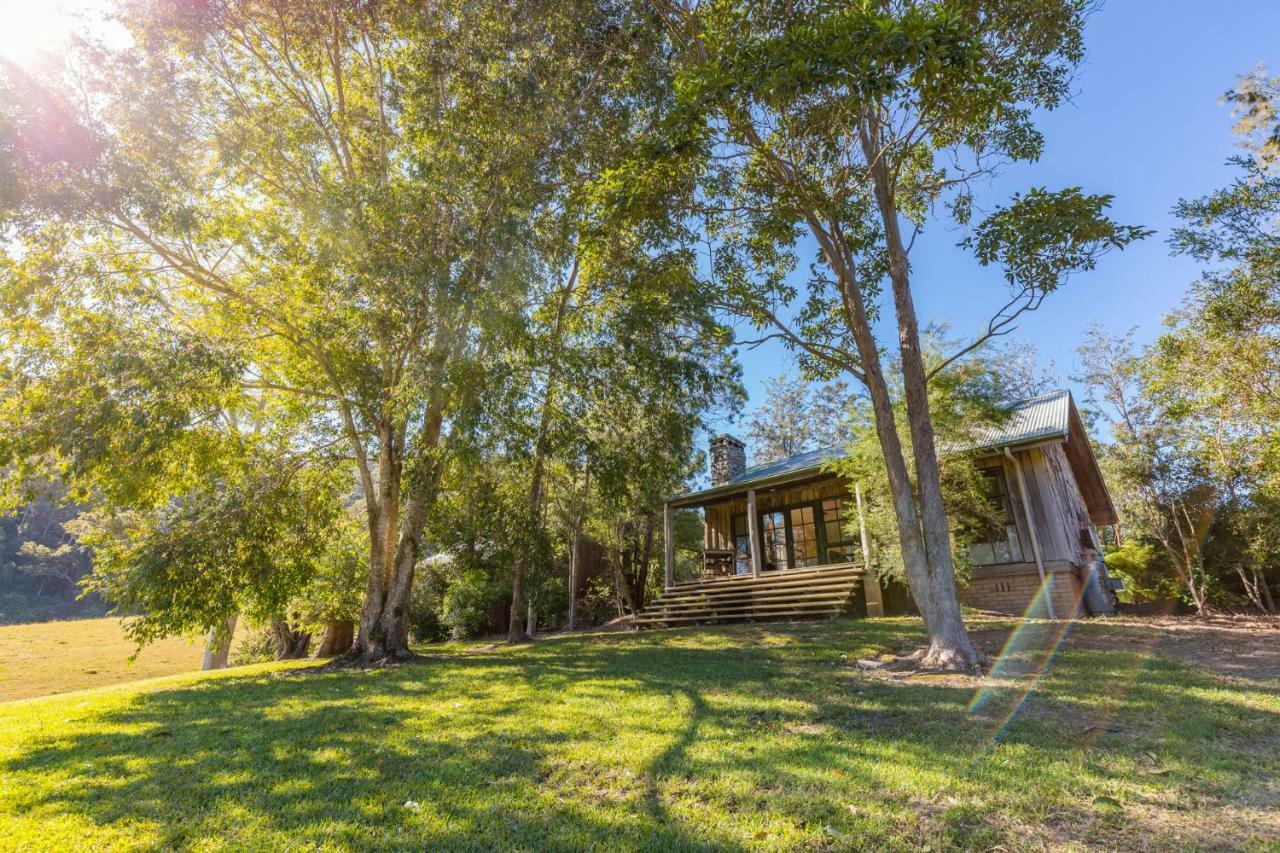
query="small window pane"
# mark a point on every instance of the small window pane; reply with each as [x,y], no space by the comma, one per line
[742,555]
[834,532]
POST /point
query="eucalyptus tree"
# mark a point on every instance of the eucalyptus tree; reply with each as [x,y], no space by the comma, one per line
[1216,368]
[798,416]
[1163,490]
[312,215]
[853,126]
[631,363]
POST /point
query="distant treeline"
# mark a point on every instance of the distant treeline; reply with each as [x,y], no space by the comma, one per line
[41,565]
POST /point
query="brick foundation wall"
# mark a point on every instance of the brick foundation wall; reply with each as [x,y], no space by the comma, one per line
[1013,593]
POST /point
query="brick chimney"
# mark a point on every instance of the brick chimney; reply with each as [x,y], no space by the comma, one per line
[728,458]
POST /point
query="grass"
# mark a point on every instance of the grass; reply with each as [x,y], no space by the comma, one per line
[731,738]
[57,657]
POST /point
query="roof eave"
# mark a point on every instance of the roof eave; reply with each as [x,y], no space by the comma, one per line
[730,489]
[1031,441]
[705,496]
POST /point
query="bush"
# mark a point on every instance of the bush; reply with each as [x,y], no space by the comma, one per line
[258,647]
[426,601]
[598,603]
[465,610]
[1145,571]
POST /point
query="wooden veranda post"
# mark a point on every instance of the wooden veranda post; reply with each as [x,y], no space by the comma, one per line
[870,582]
[668,546]
[753,533]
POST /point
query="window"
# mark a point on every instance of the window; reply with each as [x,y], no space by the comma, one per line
[841,546]
[997,541]
[797,536]
[773,527]
[804,537]
[741,546]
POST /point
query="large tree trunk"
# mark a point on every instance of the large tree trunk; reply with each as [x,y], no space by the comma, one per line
[642,570]
[910,539]
[217,649]
[575,546]
[395,539]
[338,637]
[949,644]
[622,570]
[574,542]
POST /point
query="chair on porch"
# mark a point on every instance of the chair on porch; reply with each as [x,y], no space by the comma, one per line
[717,563]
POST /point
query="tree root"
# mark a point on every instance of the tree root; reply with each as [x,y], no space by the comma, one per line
[356,659]
[937,658]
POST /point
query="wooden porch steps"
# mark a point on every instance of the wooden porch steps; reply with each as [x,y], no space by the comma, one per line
[816,593]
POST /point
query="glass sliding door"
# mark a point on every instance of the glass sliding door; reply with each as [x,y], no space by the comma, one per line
[798,536]
[741,546]
[804,537]
[773,526]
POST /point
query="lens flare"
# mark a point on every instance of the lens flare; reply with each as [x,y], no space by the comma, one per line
[1025,660]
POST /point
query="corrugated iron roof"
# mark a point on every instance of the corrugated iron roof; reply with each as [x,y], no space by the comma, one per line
[792,464]
[1034,419]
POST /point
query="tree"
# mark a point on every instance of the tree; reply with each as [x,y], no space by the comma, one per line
[1217,366]
[849,125]
[967,401]
[333,236]
[796,417]
[245,544]
[1163,489]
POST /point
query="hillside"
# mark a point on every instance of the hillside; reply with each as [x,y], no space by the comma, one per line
[770,737]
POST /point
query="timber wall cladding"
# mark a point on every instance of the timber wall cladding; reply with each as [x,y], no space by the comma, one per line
[718,527]
[1045,494]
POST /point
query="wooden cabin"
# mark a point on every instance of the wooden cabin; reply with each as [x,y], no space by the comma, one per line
[777,538]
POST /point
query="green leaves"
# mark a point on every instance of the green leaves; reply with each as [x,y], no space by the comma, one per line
[244,544]
[1042,237]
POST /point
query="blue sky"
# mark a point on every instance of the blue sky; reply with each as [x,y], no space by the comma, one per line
[1145,125]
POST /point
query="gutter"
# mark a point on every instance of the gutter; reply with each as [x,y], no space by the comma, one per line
[1031,527]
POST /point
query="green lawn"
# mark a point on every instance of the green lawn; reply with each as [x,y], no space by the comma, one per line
[749,737]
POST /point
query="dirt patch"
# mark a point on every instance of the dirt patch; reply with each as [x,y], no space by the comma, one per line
[1234,647]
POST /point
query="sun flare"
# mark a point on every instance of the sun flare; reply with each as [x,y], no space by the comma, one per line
[29,28]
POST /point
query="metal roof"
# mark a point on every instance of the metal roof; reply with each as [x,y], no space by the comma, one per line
[790,465]
[1034,419]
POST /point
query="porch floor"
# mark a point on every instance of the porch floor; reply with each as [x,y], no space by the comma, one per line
[814,593]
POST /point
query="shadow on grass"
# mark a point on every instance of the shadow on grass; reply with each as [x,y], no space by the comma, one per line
[682,740]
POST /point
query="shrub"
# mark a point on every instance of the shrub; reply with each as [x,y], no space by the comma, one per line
[426,601]
[465,609]
[1145,571]
[258,647]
